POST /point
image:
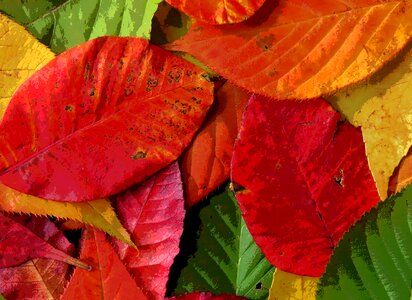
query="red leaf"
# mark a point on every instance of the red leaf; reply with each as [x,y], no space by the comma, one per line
[114,110]
[218,11]
[153,213]
[38,278]
[302,179]
[206,163]
[205,296]
[108,278]
[18,244]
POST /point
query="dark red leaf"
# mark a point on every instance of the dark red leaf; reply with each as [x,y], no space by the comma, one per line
[153,213]
[99,118]
[302,179]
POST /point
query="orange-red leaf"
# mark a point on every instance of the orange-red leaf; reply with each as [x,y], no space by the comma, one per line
[99,118]
[206,163]
[153,213]
[218,11]
[402,176]
[303,49]
[302,179]
[108,278]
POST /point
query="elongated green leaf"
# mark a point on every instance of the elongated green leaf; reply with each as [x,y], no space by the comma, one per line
[227,260]
[374,259]
[63,24]
[2,297]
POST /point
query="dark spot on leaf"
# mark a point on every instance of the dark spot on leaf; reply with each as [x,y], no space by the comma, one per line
[259,286]
[204,187]
[265,42]
[139,155]
[128,92]
[92,92]
[339,179]
[281,253]
[68,108]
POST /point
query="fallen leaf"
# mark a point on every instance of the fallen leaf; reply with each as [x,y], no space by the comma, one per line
[21,55]
[18,244]
[205,296]
[218,11]
[292,287]
[294,49]
[153,213]
[382,108]
[108,278]
[206,163]
[98,213]
[302,179]
[227,260]
[114,110]
[402,176]
[38,278]
[65,24]
[373,260]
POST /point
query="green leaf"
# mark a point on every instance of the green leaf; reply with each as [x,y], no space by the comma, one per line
[374,259]
[2,297]
[227,260]
[63,24]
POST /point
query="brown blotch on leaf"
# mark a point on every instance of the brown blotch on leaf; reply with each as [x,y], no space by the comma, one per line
[139,155]
[339,179]
[266,42]
[69,108]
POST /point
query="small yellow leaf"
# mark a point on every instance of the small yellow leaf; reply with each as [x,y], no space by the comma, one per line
[20,56]
[288,286]
[98,213]
[382,107]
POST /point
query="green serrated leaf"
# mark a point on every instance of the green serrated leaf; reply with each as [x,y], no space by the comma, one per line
[63,24]
[374,259]
[227,260]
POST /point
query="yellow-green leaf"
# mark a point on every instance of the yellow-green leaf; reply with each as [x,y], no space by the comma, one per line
[287,286]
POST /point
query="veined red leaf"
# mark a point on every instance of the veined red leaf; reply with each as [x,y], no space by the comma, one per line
[38,278]
[300,49]
[108,278]
[218,11]
[99,118]
[302,179]
[153,213]
[18,244]
[206,163]
[205,296]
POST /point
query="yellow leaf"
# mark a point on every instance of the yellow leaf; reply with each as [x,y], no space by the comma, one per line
[287,286]
[382,107]
[98,213]
[20,56]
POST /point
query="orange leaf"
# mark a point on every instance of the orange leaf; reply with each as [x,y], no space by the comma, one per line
[108,278]
[402,176]
[218,11]
[206,163]
[303,49]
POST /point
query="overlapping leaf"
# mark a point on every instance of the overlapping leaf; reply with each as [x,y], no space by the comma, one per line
[218,11]
[227,260]
[63,24]
[153,213]
[291,286]
[303,49]
[402,176]
[38,278]
[382,108]
[302,179]
[123,108]
[373,260]
[21,56]
[206,163]
[108,278]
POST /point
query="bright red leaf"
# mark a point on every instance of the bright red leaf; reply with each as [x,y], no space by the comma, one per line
[205,296]
[206,163]
[99,118]
[108,278]
[38,278]
[153,213]
[302,179]
[218,11]
[18,244]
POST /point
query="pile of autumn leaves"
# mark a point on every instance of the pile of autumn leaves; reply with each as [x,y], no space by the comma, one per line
[117,137]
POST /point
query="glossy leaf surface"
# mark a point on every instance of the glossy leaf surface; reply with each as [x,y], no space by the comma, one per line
[218,11]
[108,278]
[122,107]
[38,278]
[21,56]
[153,213]
[302,179]
[206,163]
[373,260]
[63,24]
[294,49]
[290,286]
[227,260]
[19,244]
